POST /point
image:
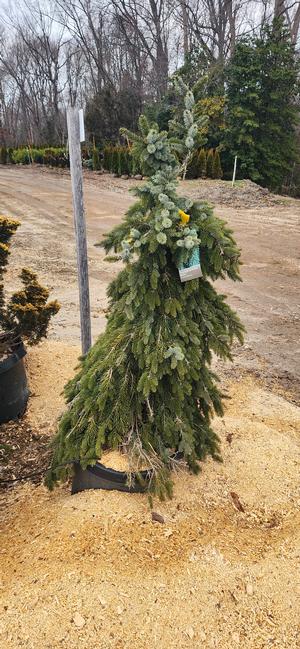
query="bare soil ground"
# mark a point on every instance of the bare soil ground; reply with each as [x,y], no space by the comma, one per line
[94,569]
[267,229]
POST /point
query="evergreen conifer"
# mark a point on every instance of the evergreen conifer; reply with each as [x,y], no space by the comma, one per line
[10,155]
[96,159]
[3,155]
[107,158]
[217,171]
[202,163]
[115,160]
[121,160]
[262,111]
[124,163]
[147,384]
[193,166]
[27,313]
[210,163]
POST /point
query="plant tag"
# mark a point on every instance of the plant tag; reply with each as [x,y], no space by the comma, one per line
[81,125]
[192,268]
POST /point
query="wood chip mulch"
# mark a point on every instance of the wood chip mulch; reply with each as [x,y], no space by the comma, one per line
[24,452]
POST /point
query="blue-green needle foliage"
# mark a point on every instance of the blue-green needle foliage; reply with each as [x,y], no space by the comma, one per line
[147,384]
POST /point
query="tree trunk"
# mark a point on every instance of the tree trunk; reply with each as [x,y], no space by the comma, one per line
[185,28]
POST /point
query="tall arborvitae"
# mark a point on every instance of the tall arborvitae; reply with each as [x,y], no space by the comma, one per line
[147,384]
[10,152]
[3,155]
[242,123]
[217,171]
[210,163]
[107,158]
[202,163]
[279,107]
[124,161]
[115,160]
[192,170]
[96,159]
[262,84]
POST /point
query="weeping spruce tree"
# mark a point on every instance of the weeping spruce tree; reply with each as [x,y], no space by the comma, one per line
[146,384]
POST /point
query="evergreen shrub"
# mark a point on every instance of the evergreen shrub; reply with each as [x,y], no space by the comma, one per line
[262,113]
[193,166]
[147,385]
[124,160]
[52,156]
[127,163]
[217,171]
[26,314]
[210,163]
[202,163]
[107,153]
[3,155]
[10,154]
[21,156]
[115,160]
[96,164]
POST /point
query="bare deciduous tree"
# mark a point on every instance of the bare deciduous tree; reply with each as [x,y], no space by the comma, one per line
[289,10]
[34,61]
[149,23]
[214,25]
[58,51]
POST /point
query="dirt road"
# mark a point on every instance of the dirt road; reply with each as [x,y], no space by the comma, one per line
[45,242]
[267,230]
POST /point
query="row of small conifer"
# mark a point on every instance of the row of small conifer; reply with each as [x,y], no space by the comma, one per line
[205,164]
[51,156]
[118,160]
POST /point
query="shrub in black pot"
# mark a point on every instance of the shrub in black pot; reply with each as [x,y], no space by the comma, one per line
[24,316]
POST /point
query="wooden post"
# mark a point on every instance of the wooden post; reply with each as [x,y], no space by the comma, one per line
[234,171]
[80,229]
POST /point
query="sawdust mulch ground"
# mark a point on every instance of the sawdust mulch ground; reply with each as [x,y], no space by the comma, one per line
[93,570]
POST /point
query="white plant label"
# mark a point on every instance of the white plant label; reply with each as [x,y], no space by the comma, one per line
[81,125]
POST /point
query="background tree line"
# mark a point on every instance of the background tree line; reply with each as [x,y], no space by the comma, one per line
[116,57]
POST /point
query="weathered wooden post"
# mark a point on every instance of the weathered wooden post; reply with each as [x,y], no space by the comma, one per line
[234,171]
[79,222]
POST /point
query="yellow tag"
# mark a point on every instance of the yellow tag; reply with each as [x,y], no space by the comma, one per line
[184,218]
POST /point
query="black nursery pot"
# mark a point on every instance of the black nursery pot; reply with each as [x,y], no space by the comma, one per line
[14,391]
[101,477]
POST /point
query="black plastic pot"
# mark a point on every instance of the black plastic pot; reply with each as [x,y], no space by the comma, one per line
[101,477]
[14,391]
